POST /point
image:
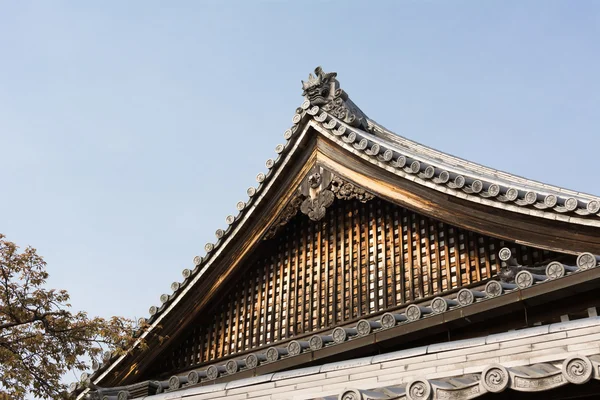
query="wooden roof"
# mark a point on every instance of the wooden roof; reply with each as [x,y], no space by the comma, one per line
[333,140]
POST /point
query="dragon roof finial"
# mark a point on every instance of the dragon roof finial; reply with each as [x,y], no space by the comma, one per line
[318,88]
[322,89]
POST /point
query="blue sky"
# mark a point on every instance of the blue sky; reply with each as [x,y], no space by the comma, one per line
[129,130]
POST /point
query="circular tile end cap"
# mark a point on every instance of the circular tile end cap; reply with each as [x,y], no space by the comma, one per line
[495,378]
[419,389]
[577,369]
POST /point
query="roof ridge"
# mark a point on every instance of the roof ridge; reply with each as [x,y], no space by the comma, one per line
[340,119]
[332,108]
[378,129]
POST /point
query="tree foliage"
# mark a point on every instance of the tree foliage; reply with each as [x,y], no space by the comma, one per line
[40,337]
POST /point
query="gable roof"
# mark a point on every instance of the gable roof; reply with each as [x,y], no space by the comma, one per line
[328,111]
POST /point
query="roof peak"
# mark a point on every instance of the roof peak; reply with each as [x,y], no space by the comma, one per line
[323,90]
[480,183]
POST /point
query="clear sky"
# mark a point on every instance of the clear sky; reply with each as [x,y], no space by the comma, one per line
[129,130]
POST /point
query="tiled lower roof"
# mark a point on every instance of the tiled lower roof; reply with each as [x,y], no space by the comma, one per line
[532,359]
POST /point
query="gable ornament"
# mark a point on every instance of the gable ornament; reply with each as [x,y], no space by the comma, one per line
[316,206]
[287,214]
[317,196]
[316,193]
[321,188]
[347,191]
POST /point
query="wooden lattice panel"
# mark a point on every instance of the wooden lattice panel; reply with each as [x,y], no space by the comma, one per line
[360,259]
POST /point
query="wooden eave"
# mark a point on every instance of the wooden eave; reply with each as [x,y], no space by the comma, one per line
[315,139]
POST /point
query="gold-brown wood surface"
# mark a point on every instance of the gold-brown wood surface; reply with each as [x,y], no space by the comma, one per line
[405,256]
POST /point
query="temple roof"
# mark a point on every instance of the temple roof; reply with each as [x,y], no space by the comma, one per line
[328,111]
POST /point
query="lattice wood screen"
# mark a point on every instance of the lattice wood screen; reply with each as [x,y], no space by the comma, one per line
[360,259]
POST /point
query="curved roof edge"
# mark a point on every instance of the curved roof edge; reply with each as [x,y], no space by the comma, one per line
[328,109]
[438,170]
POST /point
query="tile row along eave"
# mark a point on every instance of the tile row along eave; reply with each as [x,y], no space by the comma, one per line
[532,359]
[466,166]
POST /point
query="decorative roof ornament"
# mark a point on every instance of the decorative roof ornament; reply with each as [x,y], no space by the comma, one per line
[320,188]
[348,191]
[323,90]
[288,213]
[315,206]
[317,194]
[317,89]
